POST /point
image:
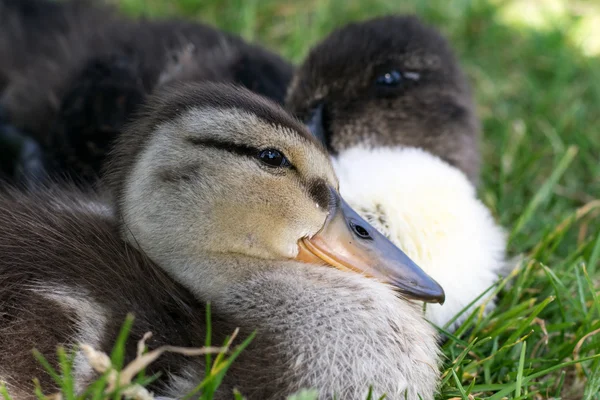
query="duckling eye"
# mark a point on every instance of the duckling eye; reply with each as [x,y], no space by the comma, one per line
[274,158]
[391,78]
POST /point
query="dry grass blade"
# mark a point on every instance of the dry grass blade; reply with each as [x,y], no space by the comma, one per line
[134,367]
[101,363]
[577,349]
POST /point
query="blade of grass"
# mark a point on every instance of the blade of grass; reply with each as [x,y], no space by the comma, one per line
[592,291]
[208,339]
[117,356]
[468,306]
[66,366]
[51,371]
[218,371]
[595,256]
[544,192]
[4,391]
[460,387]
[370,394]
[224,366]
[519,380]
[559,387]
[95,391]
[487,370]
[304,394]
[580,290]
[39,394]
[555,282]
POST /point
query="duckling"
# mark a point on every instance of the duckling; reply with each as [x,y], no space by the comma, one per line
[72,73]
[217,196]
[389,100]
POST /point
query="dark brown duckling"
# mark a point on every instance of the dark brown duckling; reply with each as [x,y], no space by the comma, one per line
[389,81]
[388,98]
[73,77]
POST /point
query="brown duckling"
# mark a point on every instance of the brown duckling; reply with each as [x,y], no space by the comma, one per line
[72,73]
[219,196]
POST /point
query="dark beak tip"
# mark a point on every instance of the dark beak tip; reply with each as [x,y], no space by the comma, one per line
[441,299]
[433,293]
[438,295]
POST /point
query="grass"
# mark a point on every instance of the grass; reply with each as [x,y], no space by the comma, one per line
[538,89]
[117,381]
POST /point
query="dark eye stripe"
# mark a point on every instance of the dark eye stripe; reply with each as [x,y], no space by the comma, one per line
[242,150]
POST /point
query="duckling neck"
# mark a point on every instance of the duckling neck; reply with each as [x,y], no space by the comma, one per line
[212,275]
[314,323]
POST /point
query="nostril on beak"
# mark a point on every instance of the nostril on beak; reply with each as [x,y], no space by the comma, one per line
[361,231]
[314,122]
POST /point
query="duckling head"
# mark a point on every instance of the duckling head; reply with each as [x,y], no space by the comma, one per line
[389,81]
[211,171]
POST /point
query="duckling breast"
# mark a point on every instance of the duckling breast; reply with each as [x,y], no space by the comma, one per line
[335,331]
[430,210]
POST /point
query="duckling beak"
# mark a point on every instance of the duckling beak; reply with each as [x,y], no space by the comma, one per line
[314,123]
[349,243]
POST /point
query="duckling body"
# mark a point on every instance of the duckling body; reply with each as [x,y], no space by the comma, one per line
[195,204]
[389,100]
[73,73]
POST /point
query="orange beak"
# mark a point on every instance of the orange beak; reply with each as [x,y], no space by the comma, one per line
[349,243]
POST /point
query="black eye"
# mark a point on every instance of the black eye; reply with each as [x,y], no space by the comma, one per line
[390,78]
[274,158]
[360,231]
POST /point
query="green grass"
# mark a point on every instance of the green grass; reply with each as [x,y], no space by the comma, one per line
[538,92]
